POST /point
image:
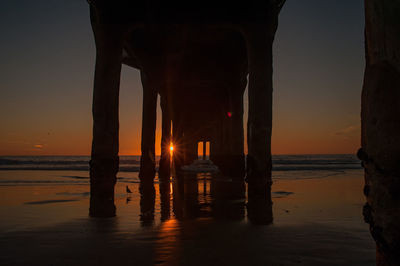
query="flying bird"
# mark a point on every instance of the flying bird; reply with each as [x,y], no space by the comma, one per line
[128,190]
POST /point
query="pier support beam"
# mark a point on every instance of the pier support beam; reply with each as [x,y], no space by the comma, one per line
[237,169]
[228,150]
[177,139]
[204,149]
[190,149]
[259,127]
[165,160]
[149,117]
[259,38]
[380,150]
[104,157]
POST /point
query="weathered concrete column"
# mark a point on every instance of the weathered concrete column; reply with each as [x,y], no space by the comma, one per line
[380,114]
[259,127]
[104,157]
[214,149]
[149,117]
[190,149]
[228,153]
[165,160]
[259,36]
[237,135]
[178,155]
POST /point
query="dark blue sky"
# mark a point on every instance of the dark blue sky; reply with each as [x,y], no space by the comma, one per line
[47,56]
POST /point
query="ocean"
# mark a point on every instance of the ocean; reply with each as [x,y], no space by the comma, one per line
[131,163]
[284,167]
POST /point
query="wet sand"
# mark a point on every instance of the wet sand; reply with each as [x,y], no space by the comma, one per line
[313,221]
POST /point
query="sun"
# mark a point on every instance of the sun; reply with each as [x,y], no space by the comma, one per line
[171,148]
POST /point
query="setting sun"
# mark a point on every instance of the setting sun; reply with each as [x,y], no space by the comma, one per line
[171,148]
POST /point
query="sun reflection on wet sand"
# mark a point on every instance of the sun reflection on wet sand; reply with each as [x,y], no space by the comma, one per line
[167,246]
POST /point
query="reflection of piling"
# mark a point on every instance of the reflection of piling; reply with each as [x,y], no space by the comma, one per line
[228,199]
[191,197]
[259,204]
[165,199]
[223,200]
[178,190]
[147,202]
[102,202]
[102,181]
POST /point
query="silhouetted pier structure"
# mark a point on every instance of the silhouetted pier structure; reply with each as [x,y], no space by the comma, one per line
[199,59]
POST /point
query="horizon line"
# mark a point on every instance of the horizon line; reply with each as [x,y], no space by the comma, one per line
[160,154]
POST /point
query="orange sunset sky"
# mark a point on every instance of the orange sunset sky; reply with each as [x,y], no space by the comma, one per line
[47,66]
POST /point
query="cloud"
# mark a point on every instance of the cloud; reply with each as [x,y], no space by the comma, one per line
[349,131]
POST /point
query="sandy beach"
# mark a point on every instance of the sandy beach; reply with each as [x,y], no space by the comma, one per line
[316,220]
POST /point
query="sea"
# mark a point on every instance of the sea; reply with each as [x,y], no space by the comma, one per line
[284,167]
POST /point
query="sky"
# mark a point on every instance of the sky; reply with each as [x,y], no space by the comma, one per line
[47,56]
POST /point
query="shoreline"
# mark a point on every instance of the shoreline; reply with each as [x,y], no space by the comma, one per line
[316,221]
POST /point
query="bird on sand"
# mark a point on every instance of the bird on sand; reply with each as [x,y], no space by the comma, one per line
[128,190]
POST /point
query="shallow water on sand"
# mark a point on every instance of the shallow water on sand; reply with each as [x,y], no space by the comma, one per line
[315,218]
